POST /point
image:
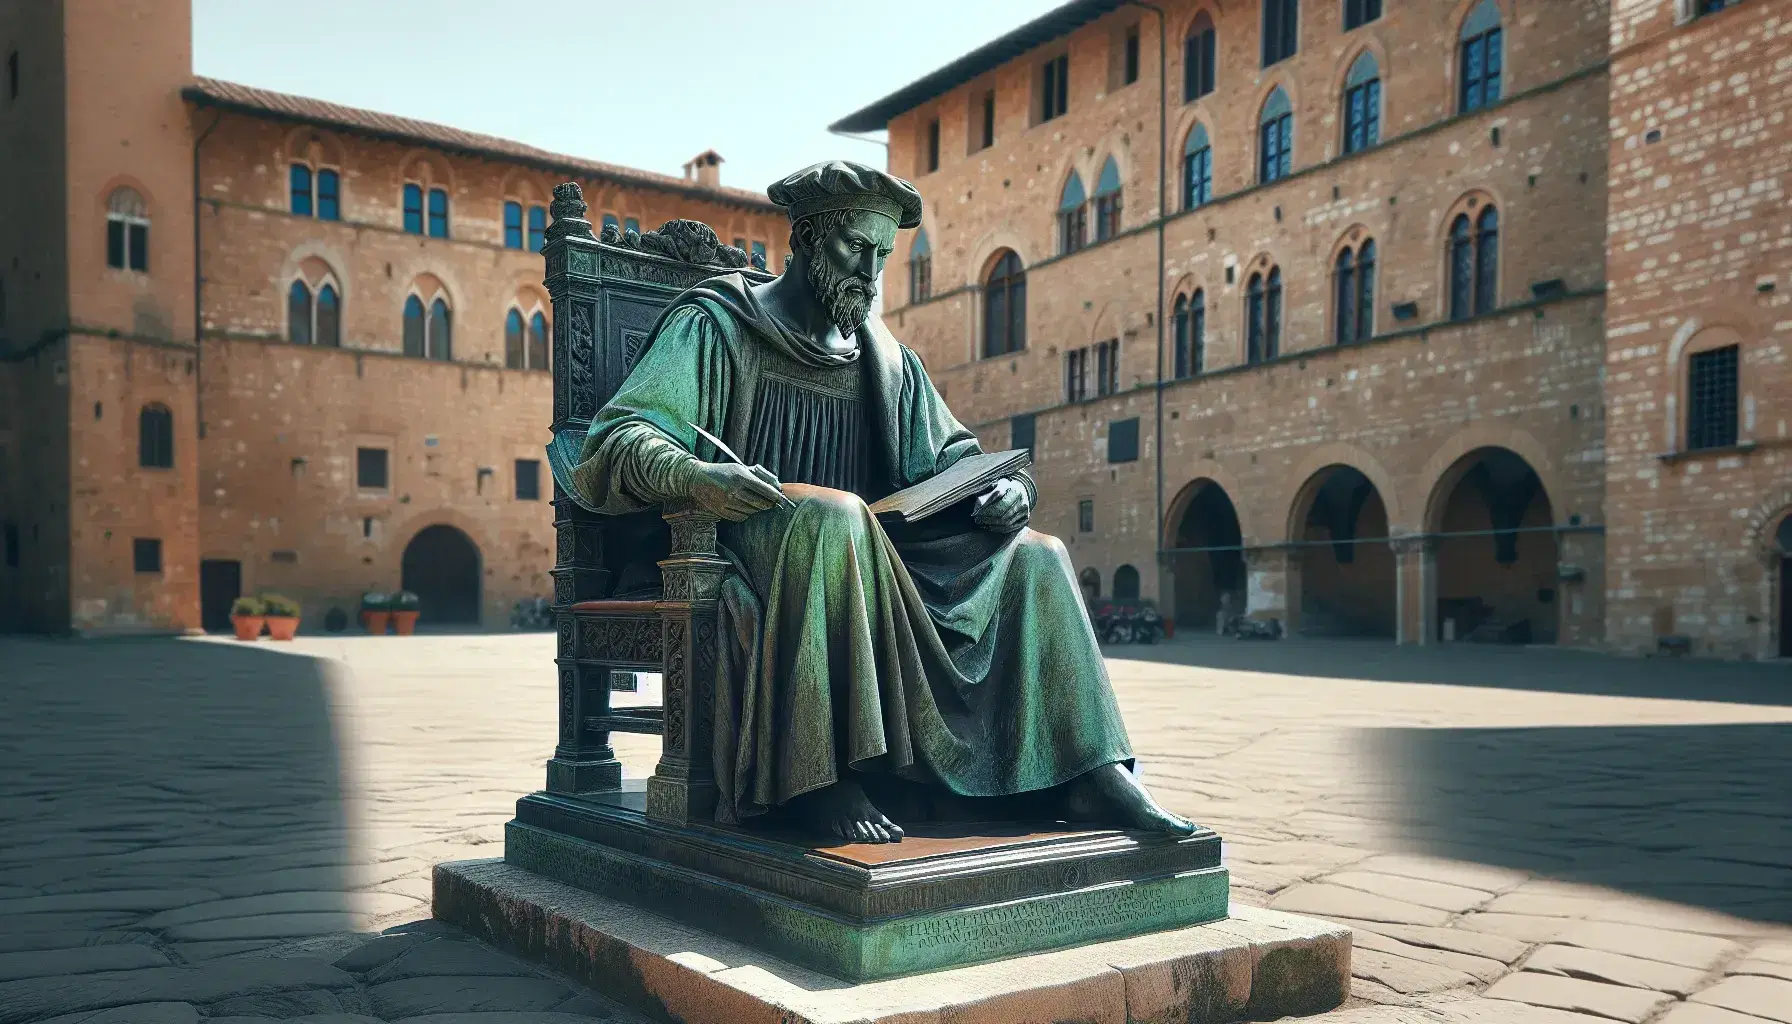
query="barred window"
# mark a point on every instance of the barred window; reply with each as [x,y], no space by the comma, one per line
[1711,404]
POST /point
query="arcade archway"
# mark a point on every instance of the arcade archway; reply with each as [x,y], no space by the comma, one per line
[1495,554]
[1347,585]
[442,567]
[1783,538]
[1207,580]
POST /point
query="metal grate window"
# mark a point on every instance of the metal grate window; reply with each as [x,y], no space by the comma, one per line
[1711,398]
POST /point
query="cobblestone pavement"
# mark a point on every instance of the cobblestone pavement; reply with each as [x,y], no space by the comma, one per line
[212,830]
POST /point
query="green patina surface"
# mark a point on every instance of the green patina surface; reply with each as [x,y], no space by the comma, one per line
[879,949]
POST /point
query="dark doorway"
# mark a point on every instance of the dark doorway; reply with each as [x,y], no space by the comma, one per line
[1496,563]
[1206,581]
[220,584]
[1783,537]
[1346,582]
[441,566]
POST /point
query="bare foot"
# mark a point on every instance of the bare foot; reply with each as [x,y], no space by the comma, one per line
[1112,796]
[844,810]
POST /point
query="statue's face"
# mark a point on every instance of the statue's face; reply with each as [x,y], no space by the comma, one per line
[845,264]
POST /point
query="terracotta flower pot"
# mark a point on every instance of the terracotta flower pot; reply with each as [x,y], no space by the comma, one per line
[282,627]
[248,627]
[404,623]
[375,622]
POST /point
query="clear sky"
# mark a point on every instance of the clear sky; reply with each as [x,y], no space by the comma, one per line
[646,83]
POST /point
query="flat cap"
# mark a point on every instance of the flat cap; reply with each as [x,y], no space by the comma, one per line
[844,185]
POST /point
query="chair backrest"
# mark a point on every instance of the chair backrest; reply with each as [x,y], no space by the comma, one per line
[607,293]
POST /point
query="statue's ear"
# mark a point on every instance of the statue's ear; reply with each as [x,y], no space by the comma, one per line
[805,233]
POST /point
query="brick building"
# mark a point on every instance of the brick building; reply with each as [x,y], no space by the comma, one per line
[366,403]
[1352,364]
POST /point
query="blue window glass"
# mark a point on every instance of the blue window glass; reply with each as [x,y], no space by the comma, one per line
[414,327]
[1362,105]
[413,209]
[441,341]
[610,221]
[515,355]
[513,225]
[631,224]
[538,226]
[758,254]
[301,190]
[1275,158]
[538,342]
[438,213]
[329,317]
[329,191]
[1197,169]
[298,314]
[1480,58]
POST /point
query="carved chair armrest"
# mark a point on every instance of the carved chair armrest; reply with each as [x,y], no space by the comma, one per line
[683,788]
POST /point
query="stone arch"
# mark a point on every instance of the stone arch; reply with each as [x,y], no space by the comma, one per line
[312,260]
[523,185]
[1493,586]
[429,169]
[1108,323]
[990,247]
[1113,146]
[1351,238]
[445,567]
[1205,584]
[1367,39]
[1342,578]
[312,146]
[103,197]
[1458,16]
[1692,338]
[1470,203]
[1469,439]
[1260,98]
[1185,23]
[1340,453]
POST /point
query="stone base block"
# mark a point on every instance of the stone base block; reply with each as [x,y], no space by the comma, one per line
[1257,964]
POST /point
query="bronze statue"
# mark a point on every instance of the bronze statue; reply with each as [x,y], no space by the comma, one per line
[952,653]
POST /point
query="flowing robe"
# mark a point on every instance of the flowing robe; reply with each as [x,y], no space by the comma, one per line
[939,652]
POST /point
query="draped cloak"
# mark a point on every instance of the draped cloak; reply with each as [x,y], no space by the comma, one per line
[939,652]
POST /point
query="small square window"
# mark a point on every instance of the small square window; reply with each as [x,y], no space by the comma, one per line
[528,480]
[371,469]
[1085,516]
[1023,431]
[1123,440]
[146,554]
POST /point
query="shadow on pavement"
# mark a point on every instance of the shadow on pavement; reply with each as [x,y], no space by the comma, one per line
[1700,815]
[174,791]
[1482,665]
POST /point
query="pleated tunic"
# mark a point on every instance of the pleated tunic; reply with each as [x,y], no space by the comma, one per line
[944,654]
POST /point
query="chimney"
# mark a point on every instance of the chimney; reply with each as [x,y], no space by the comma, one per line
[705,169]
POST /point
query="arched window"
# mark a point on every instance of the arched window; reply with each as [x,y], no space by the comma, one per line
[631,224]
[414,328]
[1108,201]
[1197,169]
[1479,58]
[299,180]
[155,437]
[441,338]
[1275,138]
[1362,104]
[538,342]
[1263,316]
[413,209]
[515,354]
[1126,583]
[513,225]
[610,221]
[538,227]
[1191,333]
[1474,258]
[127,230]
[1073,216]
[1200,55]
[298,314]
[1005,307]
[1354,293]
[920,269]
[438,213]
[329,317]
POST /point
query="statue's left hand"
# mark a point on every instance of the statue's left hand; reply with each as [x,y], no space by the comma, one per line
[1003,508]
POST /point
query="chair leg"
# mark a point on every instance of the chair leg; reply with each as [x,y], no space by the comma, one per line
[584,763]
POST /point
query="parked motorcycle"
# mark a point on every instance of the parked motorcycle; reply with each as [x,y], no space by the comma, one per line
[532,614]
[1244,627]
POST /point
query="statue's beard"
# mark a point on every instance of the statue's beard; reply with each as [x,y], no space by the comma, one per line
[845,297]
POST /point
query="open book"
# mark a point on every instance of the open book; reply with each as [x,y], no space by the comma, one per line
[966,477]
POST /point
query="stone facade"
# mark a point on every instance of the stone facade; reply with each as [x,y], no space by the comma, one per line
[1700,259]
[262,491]
[1439,431]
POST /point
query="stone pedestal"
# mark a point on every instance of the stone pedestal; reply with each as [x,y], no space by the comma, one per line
[945,897]
[1256,964]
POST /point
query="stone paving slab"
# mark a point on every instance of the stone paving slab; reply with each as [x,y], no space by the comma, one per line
[1614,1001]
[1615,969]
[1770,998]
[1325,900]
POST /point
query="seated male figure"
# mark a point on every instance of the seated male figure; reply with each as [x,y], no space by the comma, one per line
[955,653]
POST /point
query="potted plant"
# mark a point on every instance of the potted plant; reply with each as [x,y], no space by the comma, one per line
[283,616]
[405,608]
[247,614]
[376,609]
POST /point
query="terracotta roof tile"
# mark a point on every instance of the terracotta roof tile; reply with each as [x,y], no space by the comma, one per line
[250,100]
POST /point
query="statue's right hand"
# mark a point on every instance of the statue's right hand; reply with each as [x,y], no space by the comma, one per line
[735,492]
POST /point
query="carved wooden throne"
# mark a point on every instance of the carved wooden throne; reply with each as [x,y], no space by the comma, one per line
[632,592]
